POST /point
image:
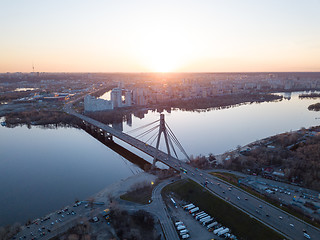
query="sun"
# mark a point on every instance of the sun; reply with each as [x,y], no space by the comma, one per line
[163,49]
[161,62]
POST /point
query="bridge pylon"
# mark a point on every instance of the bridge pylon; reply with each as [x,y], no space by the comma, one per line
[162,129]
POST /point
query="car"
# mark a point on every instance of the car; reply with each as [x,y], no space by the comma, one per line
[260,206]
[291,225]
[280,217]
[223,192]
[246,199]
[238,198]
[267,215]
[307,236]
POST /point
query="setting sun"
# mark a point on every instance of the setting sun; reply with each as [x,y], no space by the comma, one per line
[164,46]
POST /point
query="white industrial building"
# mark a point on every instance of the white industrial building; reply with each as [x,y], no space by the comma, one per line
[92,104]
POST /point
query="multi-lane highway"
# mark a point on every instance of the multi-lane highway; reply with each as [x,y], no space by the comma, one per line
[285,223]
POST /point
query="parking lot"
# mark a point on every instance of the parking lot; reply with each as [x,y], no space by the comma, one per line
[195,228]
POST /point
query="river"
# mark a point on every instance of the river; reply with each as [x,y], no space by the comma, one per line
[42,170]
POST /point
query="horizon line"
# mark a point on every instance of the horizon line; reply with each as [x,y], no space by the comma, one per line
[173,72]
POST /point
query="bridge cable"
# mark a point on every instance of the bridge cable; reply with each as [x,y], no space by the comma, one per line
[177,141]
[171,144]
[147,132]
[156,133]
[141,127]
[174,138]
[154,139]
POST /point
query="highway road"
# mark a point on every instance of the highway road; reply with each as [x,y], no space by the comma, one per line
[286,224]
[158,208]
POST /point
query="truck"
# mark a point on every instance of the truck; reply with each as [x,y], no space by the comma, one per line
[223,231]
[218,230]
[194,210]
[189,207]
[181,227]
[201,215]
[207,221]
[185,206]
[184,231]
[174,202]
[211,225]
[205,218]
[196,214]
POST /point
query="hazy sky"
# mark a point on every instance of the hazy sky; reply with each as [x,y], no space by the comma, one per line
[144,36]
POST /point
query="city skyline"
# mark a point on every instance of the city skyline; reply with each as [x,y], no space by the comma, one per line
[145,36]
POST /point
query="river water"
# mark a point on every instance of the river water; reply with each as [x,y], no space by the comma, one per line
[42,170]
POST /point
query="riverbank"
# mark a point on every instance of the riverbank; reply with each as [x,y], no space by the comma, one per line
[198,105]
[114,191]
[291,157]
[110,195]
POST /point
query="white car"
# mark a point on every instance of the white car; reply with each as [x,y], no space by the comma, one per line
[306,235]
[185,236]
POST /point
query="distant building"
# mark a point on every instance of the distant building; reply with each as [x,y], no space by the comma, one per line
[92,104]
[116,97]
[128,98]
[139,97]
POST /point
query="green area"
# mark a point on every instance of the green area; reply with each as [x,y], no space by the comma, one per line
[241,225]
[233,179]
[140,195]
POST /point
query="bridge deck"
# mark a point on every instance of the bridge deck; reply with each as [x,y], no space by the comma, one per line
[161,156]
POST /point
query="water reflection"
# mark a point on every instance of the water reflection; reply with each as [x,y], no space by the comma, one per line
[220,129]
[42,170]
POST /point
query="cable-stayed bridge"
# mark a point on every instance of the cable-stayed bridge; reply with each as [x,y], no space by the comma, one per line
[156,129]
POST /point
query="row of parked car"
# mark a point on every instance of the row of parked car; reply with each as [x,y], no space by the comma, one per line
[182,230]
[208,221]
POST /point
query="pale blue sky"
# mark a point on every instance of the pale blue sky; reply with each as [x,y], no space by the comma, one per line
[138,36]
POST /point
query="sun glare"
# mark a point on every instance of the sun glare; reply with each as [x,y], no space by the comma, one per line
[163,48]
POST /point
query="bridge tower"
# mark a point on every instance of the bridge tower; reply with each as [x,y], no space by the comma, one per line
[162,129]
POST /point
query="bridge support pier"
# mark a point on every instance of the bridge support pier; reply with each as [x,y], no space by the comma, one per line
[162,129]
[108,137]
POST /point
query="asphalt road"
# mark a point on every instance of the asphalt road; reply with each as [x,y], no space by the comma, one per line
[158,208]
[277,219]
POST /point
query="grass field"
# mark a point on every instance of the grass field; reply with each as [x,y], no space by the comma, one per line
[241,225]
[141,195]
